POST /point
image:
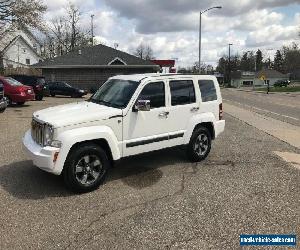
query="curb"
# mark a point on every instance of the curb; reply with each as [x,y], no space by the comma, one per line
[263,92]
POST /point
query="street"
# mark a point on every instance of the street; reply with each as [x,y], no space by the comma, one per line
[157,200]
[284,107]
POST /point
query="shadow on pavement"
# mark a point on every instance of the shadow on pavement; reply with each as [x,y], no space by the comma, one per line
[143,170]
[25,181]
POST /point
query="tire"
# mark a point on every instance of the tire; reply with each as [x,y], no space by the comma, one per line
[52,94]
[85,168]
[2,110]
[39,97]
[199,145]
[20,103]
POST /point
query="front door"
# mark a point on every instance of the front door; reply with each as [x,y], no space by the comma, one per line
[146,131]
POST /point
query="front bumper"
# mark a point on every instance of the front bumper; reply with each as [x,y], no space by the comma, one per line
[3,103]
[42,157]
[22,98]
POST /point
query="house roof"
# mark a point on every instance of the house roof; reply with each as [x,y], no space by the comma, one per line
[270,73]
[95,56]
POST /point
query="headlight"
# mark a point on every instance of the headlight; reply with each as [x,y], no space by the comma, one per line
[48,135]
[81,91]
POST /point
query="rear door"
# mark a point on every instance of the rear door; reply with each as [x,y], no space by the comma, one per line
[182,107]
[209,97]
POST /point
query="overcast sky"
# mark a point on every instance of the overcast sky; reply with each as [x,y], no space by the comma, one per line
[170,27]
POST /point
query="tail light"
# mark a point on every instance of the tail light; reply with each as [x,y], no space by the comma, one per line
[220,111]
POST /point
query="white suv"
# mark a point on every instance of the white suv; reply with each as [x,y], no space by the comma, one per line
[128,115]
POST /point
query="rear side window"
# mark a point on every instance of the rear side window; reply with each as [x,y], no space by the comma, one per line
[155,92]
[182,92]
[208,90]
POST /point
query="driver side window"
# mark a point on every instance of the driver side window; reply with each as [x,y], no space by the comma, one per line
[155,92]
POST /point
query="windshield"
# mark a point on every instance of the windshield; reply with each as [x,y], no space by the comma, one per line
[13,82]
[115,93]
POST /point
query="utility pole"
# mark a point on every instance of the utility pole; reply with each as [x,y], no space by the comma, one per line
[229,64]
[92,28]
[200,31]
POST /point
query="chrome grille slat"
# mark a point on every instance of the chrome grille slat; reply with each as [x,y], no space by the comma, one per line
[37,132]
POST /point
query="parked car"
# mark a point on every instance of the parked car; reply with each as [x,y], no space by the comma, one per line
[281,83]
[3,100]
[16,92]
[36,82]
[128,115]
[63,88]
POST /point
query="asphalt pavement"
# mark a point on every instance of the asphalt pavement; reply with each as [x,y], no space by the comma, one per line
[284,107]
[152,201]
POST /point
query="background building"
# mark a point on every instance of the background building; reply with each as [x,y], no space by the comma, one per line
[19,48]
[261,78]
[91,66]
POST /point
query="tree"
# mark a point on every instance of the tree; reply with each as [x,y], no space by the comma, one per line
[278,61]
[65,34]
[25,12]
[291,58]
[144,52]
[259,60]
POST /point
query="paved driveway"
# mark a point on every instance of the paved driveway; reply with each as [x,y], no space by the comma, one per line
[151,201]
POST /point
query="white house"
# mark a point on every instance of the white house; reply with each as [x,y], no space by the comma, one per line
[261,78]
[19,48]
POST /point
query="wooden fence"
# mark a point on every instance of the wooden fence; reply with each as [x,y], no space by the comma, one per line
[22,71]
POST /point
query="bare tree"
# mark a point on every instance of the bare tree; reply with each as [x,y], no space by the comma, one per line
[65,34]
[144,52]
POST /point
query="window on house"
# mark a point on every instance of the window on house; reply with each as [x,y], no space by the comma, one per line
[155,92]
[208,90]
[182,92]
[27,61]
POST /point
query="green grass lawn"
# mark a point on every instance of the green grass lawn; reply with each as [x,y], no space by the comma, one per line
[282,89]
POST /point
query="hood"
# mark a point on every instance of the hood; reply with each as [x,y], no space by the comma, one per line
[75,113]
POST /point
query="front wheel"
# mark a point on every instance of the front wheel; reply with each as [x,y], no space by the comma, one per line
[86,168]
[20,103]
[199,145]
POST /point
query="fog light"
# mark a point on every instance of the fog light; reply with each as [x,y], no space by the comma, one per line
[55,156]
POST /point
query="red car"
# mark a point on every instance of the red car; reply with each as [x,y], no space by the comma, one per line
[16,92]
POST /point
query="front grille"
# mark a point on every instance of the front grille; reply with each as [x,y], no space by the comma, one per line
[37,132]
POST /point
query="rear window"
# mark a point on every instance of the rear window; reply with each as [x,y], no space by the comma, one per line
[208,90]
[182,92]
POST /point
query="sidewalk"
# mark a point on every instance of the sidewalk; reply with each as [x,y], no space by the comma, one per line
[283,131]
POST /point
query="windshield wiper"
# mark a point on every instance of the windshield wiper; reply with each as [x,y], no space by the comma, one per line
[101,102]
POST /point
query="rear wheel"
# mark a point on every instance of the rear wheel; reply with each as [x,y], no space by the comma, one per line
[86,168]
[199,145]
[39,97]
[52,94]
[20,103]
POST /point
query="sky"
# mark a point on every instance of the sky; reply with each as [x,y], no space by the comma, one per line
[171,27]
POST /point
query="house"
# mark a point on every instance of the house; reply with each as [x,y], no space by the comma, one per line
[92,66]
[19,48]
[261,78]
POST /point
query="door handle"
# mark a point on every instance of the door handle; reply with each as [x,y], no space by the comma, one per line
[195,109]
[164,114]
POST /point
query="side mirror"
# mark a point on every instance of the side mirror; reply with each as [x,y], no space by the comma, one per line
[142,105]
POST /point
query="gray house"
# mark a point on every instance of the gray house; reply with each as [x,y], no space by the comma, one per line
[92,66]
[261,78]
